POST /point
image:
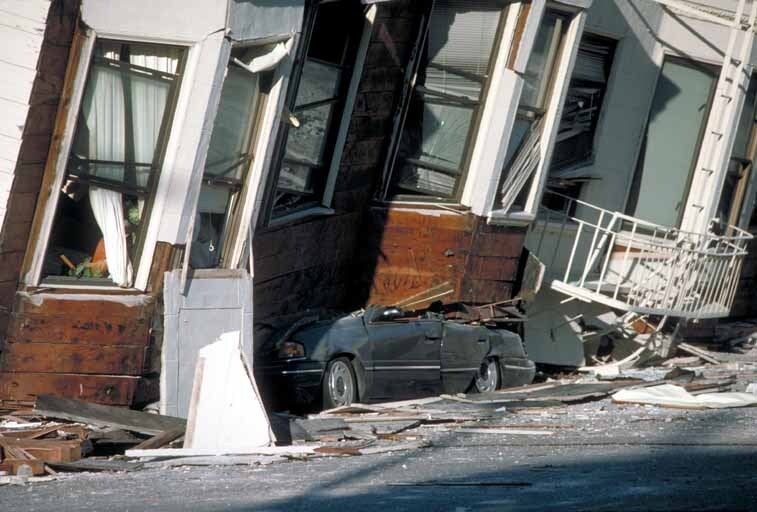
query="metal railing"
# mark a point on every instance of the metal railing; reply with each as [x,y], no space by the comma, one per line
[629,264]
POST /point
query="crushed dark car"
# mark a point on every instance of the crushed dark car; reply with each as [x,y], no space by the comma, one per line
[384,354]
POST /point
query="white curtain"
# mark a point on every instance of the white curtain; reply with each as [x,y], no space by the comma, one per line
[105,119]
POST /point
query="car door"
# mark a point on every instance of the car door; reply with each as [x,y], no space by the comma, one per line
[463,350]
[405,362]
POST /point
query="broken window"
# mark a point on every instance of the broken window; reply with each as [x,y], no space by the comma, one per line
[524,150]
[574,147]
[670,147]
[317,99]
[113,163]
[230,155]
[448,92]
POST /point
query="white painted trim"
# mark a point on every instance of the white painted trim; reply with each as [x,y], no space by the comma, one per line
[502,218]
[496,121]
[39,247]
[529,35]
[349,107]
[552,117]
[257,179]
[187,106]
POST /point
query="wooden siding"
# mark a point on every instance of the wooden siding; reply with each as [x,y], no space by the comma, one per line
[406,252]
[88,347]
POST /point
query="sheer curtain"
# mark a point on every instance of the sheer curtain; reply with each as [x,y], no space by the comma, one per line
[123,112]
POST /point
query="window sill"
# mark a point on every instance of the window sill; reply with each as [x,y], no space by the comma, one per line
[502,218]
[315,211]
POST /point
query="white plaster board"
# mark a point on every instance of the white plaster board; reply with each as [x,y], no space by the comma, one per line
[169,20]
[34,11]
[349,106]
[264,20]
[187,146]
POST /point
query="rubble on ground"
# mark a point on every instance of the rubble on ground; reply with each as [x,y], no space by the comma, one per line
[53,436]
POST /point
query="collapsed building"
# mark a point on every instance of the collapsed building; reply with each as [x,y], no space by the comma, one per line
[167,178]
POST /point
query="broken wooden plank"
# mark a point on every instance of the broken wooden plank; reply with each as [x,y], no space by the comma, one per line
[701,353]
[106,416]
[205,452]
[96,465]
[48,450]
[161,439]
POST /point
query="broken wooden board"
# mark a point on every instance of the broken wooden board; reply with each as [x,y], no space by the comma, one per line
[96,465]
[161,439]
[210,452]
[105,416]
[699,352]
[48,450]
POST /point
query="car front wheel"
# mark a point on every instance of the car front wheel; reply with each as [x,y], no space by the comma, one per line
[488,377]
[339,384]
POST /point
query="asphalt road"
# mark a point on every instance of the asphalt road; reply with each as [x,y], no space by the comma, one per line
[600,457]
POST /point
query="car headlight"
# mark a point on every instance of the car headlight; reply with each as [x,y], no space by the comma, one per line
[291,349]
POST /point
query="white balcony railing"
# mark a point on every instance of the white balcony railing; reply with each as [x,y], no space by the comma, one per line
[631,265]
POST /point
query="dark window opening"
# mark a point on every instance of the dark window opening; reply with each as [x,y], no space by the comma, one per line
[574,148]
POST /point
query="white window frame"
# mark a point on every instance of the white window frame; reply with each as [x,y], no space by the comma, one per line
[33,276]
[325,206]
[552,117]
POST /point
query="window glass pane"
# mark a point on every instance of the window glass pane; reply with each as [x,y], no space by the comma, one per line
[441,127]
[541,61]
[323,75]
[229,157]
[319,82]
[307,142]
[123,120]
[679,110]
[228,153]
[461,37]
[450,83]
